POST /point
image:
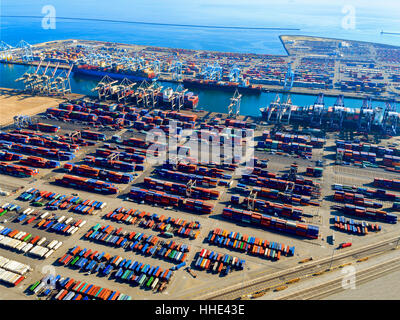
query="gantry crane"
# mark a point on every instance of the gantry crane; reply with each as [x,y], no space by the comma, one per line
[234,106]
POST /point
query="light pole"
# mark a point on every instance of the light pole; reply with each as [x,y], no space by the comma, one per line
[330,265]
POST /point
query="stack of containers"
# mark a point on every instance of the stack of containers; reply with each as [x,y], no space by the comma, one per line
[272,208]
[92,135]
[181,189]
[44,127]
[40,162]
[351,226]
[166,199]
[124,156]
[292,227]
[356,198]
[372,193]
[387,183]
[363,212]
[109,163]
[17,170]
[237,241]
[40,151]
[92,185]
[314,172]
[91,172]
[9,156]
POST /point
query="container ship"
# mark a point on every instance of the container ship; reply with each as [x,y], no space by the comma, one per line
[116,72]
[221,85]
[334,116]
[167,97]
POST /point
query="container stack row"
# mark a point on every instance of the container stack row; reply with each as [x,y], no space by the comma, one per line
[167,225]
[356,199]
[181,189]
[165,199]
[91,185]
[251,245]
[266,221]
[26,243]
[271,208]
[55,201]
[217,262]
[89,171]
[366,213]
[70,289]
[356,227]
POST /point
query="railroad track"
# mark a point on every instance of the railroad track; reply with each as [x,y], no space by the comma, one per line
[333,286]
[276,280]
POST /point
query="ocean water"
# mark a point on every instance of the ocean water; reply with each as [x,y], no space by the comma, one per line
[211,100]
[315,18]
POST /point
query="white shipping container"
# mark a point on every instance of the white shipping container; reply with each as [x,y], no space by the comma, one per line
[27,247]
[48,254]
[75,229]
[153,285]
[82,224]
[3,261]
[39,287]
[68,220]
[61,219]
[26,210]
[22,235]
[44,215]
[21,246]
[103,205]
[52,244]
[5,205]
[18,235]
[17,267]
[41,241]
[69,295]
[59,294]
[58,245]
[38,251]
[118,261]
[1,228]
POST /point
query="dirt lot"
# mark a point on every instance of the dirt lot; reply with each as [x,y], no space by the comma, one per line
[13,103]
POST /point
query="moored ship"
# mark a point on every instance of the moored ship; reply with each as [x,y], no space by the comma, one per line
[115,72]
[221,85]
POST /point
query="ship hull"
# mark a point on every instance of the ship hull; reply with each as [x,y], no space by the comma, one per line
[202,85]
[100,74]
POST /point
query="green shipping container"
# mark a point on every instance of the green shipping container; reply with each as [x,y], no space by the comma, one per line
[150,281]
[75,260]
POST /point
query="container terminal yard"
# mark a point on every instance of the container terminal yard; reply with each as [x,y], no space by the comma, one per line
[86,214]
[313,65]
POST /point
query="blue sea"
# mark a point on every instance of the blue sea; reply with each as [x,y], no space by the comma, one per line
[345,19]
[315,18]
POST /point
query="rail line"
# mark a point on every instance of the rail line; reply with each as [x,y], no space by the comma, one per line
[273,281]
[335,285]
